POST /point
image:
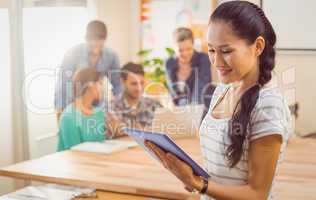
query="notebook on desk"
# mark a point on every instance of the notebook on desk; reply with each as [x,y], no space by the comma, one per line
[50,192]
[165,143]
[106,147]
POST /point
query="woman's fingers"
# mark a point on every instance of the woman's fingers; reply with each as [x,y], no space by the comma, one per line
[189,189]
[171,162]
[174,162]
[158,152]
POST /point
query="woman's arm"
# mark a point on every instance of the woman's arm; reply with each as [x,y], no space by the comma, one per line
[263,157]
[69,134]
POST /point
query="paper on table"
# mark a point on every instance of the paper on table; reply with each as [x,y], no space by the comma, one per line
[47,192]
[106,147]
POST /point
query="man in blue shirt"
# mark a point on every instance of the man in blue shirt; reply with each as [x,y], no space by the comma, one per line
[92,53]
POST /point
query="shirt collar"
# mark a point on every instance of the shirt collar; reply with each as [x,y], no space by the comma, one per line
[126,104]
[87,52]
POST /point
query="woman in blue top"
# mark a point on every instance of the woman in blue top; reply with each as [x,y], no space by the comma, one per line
[188,73]
[81,121]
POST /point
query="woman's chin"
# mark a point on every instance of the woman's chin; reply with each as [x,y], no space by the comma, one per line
[225,80]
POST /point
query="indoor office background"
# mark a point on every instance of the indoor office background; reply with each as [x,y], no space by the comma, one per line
[35,34]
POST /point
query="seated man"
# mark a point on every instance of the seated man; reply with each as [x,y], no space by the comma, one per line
[131,109]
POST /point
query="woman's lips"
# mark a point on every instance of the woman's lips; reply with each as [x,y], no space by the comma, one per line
[224,71]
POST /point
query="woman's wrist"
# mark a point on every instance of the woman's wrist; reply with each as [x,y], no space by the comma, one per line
[198,183]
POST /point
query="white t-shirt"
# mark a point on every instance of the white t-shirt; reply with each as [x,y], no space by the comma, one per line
[270,115]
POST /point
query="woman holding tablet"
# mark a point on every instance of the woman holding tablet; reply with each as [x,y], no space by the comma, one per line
[244,133]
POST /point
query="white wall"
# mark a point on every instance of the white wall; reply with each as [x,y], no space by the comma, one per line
[6,143]
[300,33]
[299,69]
[121,18]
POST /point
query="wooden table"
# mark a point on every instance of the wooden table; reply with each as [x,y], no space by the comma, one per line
[134,173]
[131,171]
[297,178]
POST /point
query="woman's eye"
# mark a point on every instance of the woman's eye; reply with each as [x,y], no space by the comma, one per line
[211,50]
[227,51]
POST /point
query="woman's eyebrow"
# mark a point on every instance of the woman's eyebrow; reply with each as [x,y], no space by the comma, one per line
[220,46]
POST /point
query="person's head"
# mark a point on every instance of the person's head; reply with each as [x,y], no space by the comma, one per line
[241,47]
[132,77]
[88,82]
[184,40]
[96,34]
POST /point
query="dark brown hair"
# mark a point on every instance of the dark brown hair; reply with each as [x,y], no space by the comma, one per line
[248,22]
[96,30]
[82,78]
[182,33]
[131,67]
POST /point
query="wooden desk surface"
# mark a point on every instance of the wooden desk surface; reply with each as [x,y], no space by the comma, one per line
[133,172]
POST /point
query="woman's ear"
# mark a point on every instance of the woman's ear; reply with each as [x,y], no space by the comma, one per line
[259,45]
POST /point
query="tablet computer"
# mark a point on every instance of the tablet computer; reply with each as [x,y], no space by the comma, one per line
[165,143]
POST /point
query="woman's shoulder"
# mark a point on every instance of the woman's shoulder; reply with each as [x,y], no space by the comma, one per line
[270,96]
[271,114]
[271,100]
[69,113]
[70,109]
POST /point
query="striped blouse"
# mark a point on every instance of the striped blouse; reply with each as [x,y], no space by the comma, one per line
[270,115]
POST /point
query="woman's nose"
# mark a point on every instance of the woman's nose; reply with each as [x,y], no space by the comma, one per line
[217,60]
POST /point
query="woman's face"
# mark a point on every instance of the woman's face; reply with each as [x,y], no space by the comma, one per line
[97,90]
[233,58]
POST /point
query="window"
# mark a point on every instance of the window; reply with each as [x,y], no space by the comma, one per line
[48,32]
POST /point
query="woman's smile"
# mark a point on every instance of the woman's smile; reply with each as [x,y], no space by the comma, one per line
[223,71]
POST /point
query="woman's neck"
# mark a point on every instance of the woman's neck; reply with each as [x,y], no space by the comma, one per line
[249,80]
[84,104]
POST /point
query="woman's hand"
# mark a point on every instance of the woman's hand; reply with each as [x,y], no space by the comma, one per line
[179,168]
